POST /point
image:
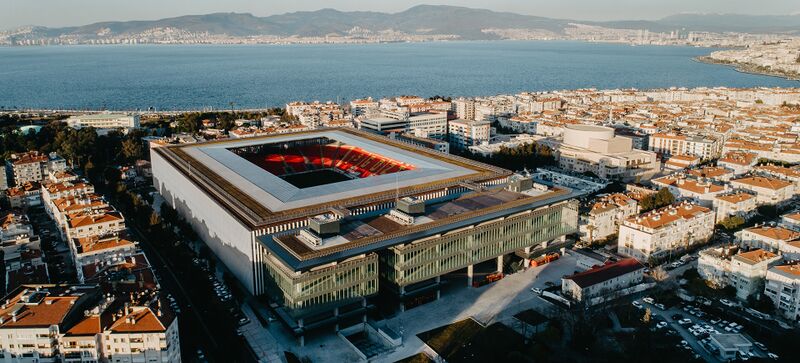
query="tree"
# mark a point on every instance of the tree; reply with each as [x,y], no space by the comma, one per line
[657,200]
[154,219]
[647,316]
[659,274]
[732,223]
[131,150]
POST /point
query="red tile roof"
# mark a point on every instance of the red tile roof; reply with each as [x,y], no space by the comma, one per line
[606,272]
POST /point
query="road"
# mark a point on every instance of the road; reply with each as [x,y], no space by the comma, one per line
[172,283]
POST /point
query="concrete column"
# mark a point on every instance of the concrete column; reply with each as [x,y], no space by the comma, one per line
[336,314]
[364,305]
[438,288]
[469,275]
[500,263]
[302,338]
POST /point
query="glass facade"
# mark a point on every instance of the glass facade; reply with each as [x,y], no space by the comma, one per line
[427,258]
[354,278]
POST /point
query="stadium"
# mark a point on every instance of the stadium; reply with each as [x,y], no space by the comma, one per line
[324,222]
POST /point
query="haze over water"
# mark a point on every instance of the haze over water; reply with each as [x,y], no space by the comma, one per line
[256,76]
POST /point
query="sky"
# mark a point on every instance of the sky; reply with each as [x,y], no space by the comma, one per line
[53,13]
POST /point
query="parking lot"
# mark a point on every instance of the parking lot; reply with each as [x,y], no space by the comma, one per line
[696,326]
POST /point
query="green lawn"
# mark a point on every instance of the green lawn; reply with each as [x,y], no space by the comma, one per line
[467,341]
[417,358]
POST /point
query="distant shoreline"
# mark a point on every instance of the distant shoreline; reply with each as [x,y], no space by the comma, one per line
[748,68]
[223,44]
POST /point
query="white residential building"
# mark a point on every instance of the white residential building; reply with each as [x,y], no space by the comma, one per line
[770,238]
[661,232]
[700,191]
[768,190]
[464,108]
[606,215]
[104,121]
[465,133]
[428,124]
[363,106]
[739,162]
[33,166]
[748,270]
[671,144]
[603,281]
[714,265]
[783,288]
[740,204]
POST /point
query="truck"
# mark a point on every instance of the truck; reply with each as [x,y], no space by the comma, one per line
[489,279]
[542,260]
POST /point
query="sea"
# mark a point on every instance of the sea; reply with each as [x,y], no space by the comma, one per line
[196,77]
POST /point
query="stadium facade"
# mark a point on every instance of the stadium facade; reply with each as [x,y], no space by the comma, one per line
[322,221]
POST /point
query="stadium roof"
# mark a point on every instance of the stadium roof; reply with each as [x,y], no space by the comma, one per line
[259,198]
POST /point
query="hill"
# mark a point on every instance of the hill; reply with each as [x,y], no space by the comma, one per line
[460,22]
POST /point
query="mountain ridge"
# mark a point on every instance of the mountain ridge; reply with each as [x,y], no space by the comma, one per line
[462,22]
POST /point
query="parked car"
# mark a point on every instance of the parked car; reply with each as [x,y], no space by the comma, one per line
[685,321]
[648,300]
[536,290]
[725,302]
[637,304]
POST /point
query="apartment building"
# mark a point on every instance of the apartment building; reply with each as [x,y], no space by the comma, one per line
[88,224]
[98,250]
[104,121]
[24,196]
[768,190]
[659,233]
[668,144]
[465,133]
[739,162]
[770,238]
[140,334]
[783,288]
[605,216]
[16,236]
[79,323]
[791,221]
[32,320]
[731,204]
[680,162]
[363,106]
[717,173]
[428,124]
[700,191]
[33,166]
[780,172]
[522,124]
[748,270]
[464,108]
[714,264]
